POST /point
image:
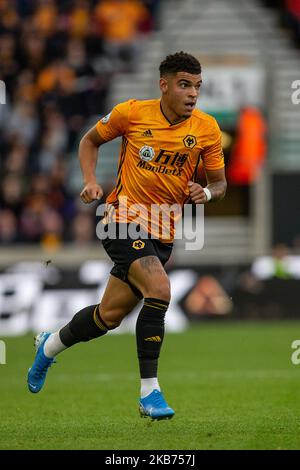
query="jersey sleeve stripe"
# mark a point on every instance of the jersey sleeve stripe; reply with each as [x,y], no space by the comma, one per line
[119,190]
[124,146]
[196,168]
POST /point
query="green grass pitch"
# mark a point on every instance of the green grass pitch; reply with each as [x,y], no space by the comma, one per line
[233,386]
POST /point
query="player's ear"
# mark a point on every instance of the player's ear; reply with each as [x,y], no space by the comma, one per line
[163,85]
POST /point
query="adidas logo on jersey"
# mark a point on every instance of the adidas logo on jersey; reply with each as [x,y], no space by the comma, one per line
[147,133]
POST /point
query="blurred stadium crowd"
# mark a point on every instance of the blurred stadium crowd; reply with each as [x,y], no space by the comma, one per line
[57,59]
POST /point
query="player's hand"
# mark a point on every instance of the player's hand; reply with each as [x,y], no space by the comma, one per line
[91,192]
[197,194]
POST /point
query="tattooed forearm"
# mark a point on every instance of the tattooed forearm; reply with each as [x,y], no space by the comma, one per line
[218,190]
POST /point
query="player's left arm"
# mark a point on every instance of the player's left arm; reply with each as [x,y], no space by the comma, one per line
[216,187]
[213,161]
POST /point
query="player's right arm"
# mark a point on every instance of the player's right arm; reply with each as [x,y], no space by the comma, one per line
[88,154]
[108,128]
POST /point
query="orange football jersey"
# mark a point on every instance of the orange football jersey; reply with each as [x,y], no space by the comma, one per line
[156,161]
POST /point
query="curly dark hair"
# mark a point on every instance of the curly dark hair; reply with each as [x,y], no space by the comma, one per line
[180,62]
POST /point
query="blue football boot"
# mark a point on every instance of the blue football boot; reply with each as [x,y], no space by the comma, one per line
[155,406]
[37,373]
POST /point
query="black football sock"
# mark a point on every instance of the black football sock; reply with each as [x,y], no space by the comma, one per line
[150,328]
[87,324]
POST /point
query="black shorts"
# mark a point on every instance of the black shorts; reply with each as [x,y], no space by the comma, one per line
[124,251]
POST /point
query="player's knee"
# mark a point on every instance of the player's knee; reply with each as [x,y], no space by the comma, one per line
[112,324]
[112,317]
[160,290]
